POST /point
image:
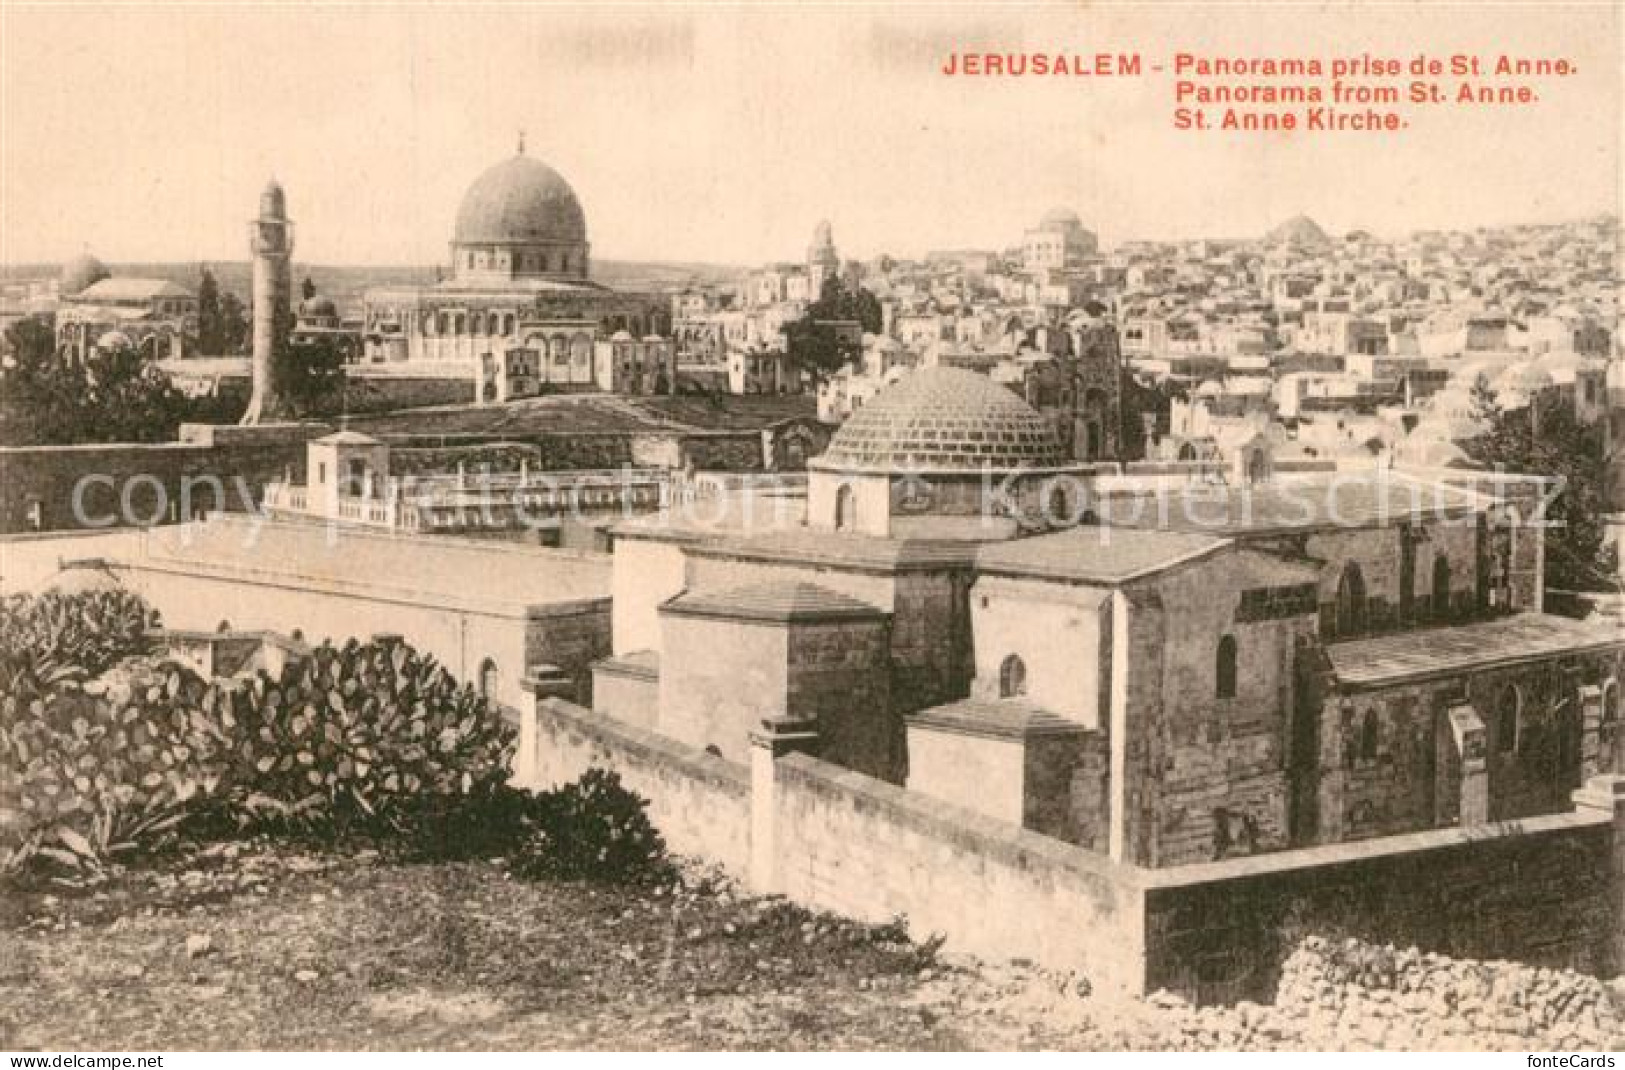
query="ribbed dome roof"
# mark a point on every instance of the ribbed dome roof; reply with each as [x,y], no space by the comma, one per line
[82,271]
[520,200]
[944,419]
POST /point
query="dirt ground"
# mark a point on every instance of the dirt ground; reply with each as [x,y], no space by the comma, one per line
[270,948]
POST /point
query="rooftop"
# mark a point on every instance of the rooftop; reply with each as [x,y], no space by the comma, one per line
[1403,656]
[844,550]
[1363,500]
[1005,718]
[774,601]
[1096,554]
[127,289]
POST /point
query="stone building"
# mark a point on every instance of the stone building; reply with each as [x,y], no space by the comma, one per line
[519,312]
[97,310]
[1197,674]
[1059,241]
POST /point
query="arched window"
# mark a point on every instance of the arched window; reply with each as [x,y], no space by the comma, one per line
[1351,604]
[1059,510]
[488,679]
[1366,745]
[1012,677]
[1441,585]
[1610,702]
[1224,668]
[846,510]
[1508,714]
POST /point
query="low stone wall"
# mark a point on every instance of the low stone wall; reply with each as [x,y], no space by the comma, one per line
[699,802]
[129,484]
[852,844]
[1537,891]
[1545,890]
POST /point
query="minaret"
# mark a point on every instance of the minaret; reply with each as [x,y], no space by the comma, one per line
[270,237]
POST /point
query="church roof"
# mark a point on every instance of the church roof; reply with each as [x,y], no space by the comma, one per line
[775,601]
[518,201]
[1005,718]
[1344,501]
[1402,656]
[944,419]
[1091,554]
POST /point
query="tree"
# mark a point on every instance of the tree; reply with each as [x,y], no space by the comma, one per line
[1547,439]
[233,324]
[309,376]
[222,322]
[814,341]
[112,396]
[1137,400]
[209,339]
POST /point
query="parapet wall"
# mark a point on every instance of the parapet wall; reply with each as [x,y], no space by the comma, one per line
[1538,891]
[1548,890]
[698,801]
[861,847]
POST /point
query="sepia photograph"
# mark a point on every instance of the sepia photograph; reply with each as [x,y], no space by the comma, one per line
[879,526]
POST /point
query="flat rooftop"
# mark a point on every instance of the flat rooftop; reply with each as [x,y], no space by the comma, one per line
[499,576]
[1405,656]
[1349,500]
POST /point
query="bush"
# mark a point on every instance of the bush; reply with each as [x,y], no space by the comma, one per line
[593,829]
[357,736]
[93,771]
[364,737]
[52,639]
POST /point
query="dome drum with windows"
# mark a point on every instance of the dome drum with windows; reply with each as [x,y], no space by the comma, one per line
[930,453]
[520,219]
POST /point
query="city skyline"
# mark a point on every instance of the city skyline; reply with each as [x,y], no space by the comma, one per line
[719,137]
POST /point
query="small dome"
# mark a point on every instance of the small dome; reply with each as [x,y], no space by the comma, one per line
[112,340]
[518,201]
[1210,389]
[318,307]
[273,202]
[1059,219]
[80,273]
[944,419]
[622,336]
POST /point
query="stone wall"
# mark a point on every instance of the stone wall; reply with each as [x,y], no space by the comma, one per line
[699,802]
[873,851]
[838,675]
[1217,763]
[1548,890]
[1539,891]
[134,484]
[1379,750]
[701,707]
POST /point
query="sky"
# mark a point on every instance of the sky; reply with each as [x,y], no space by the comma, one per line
[723,134]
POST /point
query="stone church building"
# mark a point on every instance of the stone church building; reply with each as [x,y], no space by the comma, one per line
[1164,674]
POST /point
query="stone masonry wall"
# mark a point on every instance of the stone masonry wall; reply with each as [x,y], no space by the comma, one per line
[838,675]
[852,844]
[1538,894]
[699,802]
[1220,762]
